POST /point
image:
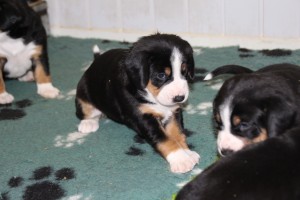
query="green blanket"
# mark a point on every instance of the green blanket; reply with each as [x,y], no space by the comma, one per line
[44,157]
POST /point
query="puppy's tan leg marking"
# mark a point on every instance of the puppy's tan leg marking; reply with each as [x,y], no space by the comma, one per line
[43,80]
[5,97]
[2,84]
[175,149]
[175,139]
[90,121]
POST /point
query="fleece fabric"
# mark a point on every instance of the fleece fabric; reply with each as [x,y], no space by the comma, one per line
[43,157]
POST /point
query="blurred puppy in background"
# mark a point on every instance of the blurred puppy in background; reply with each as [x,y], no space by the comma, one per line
[23,49]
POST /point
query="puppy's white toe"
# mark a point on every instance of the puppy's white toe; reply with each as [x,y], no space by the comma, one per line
[194,155]
[47,90]
[182,160]
[88,125]
[6,98]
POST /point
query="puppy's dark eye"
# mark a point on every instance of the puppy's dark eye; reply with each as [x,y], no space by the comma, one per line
[184,72]
[184,69]
[161,76]
[244,126]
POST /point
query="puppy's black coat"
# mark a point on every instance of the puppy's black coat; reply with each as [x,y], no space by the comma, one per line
[142,87]
[20,21]
[264,171]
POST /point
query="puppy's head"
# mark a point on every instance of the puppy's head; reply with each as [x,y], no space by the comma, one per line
[238,125]
[247,112]
[160,65]
[12,12]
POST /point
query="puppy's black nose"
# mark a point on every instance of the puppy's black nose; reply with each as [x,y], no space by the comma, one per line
[178,98]
[226,152]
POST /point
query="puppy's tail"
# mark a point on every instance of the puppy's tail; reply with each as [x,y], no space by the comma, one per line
[96,51]
[227,69]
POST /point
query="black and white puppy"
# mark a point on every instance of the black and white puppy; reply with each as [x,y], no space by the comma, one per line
[142,87]
[23,49]
[257,116]
[253,106]
[267,170]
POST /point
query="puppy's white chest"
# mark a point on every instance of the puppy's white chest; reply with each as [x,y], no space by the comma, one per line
[165,112]
[18,55]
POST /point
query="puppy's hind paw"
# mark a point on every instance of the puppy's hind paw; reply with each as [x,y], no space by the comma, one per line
[88,125]
[182,160]
[47,90]
[6,98]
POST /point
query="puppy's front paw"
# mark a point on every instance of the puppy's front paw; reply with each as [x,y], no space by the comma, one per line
[88,125]
[182,160]
[6,98]
[47,90]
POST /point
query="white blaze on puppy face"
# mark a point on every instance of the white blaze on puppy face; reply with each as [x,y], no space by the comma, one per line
[178,86]
[226,140]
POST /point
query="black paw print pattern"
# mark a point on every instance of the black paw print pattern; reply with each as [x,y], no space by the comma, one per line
[246,53]
[135,151]
[199,74]
[42,188]
[14,111]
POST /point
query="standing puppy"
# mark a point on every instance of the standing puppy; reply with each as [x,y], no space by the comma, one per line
[23,49]
[142,87]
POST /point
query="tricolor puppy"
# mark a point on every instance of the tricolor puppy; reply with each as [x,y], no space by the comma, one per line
[23,49]
[254,106]
[267,170]
[142,87]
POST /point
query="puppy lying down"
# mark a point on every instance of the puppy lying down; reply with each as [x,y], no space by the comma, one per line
[144,88]
[257,116]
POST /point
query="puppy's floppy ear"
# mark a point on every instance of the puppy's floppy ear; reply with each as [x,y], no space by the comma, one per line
[188,53]
[191,69]
[137,68]
[280,116]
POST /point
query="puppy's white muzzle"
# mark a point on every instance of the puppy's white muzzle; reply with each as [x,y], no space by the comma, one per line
[228,142]
[173,93]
